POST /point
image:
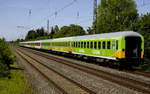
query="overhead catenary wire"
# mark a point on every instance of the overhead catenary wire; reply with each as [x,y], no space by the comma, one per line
[55,13]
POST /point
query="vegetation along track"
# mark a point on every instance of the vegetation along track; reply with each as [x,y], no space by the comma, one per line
[124,81]
[65,85]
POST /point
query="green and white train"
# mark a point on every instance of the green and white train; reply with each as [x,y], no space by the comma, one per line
[119,46]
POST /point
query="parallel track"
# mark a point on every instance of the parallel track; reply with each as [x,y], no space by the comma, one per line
[123,81]
[55,84]
[145,74]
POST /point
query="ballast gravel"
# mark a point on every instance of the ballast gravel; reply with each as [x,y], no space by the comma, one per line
[96,84]
[39,84]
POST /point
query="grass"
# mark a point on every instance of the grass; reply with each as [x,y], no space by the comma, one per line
[18,84]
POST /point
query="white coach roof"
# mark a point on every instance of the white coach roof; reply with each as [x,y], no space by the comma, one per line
[104,35]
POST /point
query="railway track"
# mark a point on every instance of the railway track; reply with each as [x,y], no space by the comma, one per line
[64,84]
[145,74]
[123,81]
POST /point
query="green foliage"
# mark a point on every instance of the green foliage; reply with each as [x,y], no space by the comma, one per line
[34,34]
[52,32]
[31,35]
[115,15]
[6,58]
[18,84]
[41,32]
[72,30]
[90,30]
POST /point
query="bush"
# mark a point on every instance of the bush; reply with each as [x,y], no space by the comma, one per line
[6,58]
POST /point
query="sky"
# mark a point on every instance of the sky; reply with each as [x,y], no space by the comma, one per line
[19,16]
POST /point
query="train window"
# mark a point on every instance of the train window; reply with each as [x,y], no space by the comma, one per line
[99,45]
[91,44]
[113,44]
[76,44]
[87,44]
[81,44]
[116,44]
[84,44]
[69,43]
[73,44]
[104,44]
[95,45]
[108,44]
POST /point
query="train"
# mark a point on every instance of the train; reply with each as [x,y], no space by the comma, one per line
[124,47]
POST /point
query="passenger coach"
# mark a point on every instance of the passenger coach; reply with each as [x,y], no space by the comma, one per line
[119,46]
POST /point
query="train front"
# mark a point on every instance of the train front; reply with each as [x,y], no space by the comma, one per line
[134,48]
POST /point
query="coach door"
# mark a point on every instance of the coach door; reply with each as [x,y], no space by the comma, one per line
[133,47]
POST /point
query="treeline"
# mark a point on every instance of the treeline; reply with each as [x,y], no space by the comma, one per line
[6,58]
[65,31]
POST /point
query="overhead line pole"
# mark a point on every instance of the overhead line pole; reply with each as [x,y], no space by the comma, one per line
[95,15]
[48,26]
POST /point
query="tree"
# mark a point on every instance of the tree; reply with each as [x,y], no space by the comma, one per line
[56,28]
[90,30]
[52,32]
[6,58]
[72,30]
[41,32]
[31,35]
[115,15]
